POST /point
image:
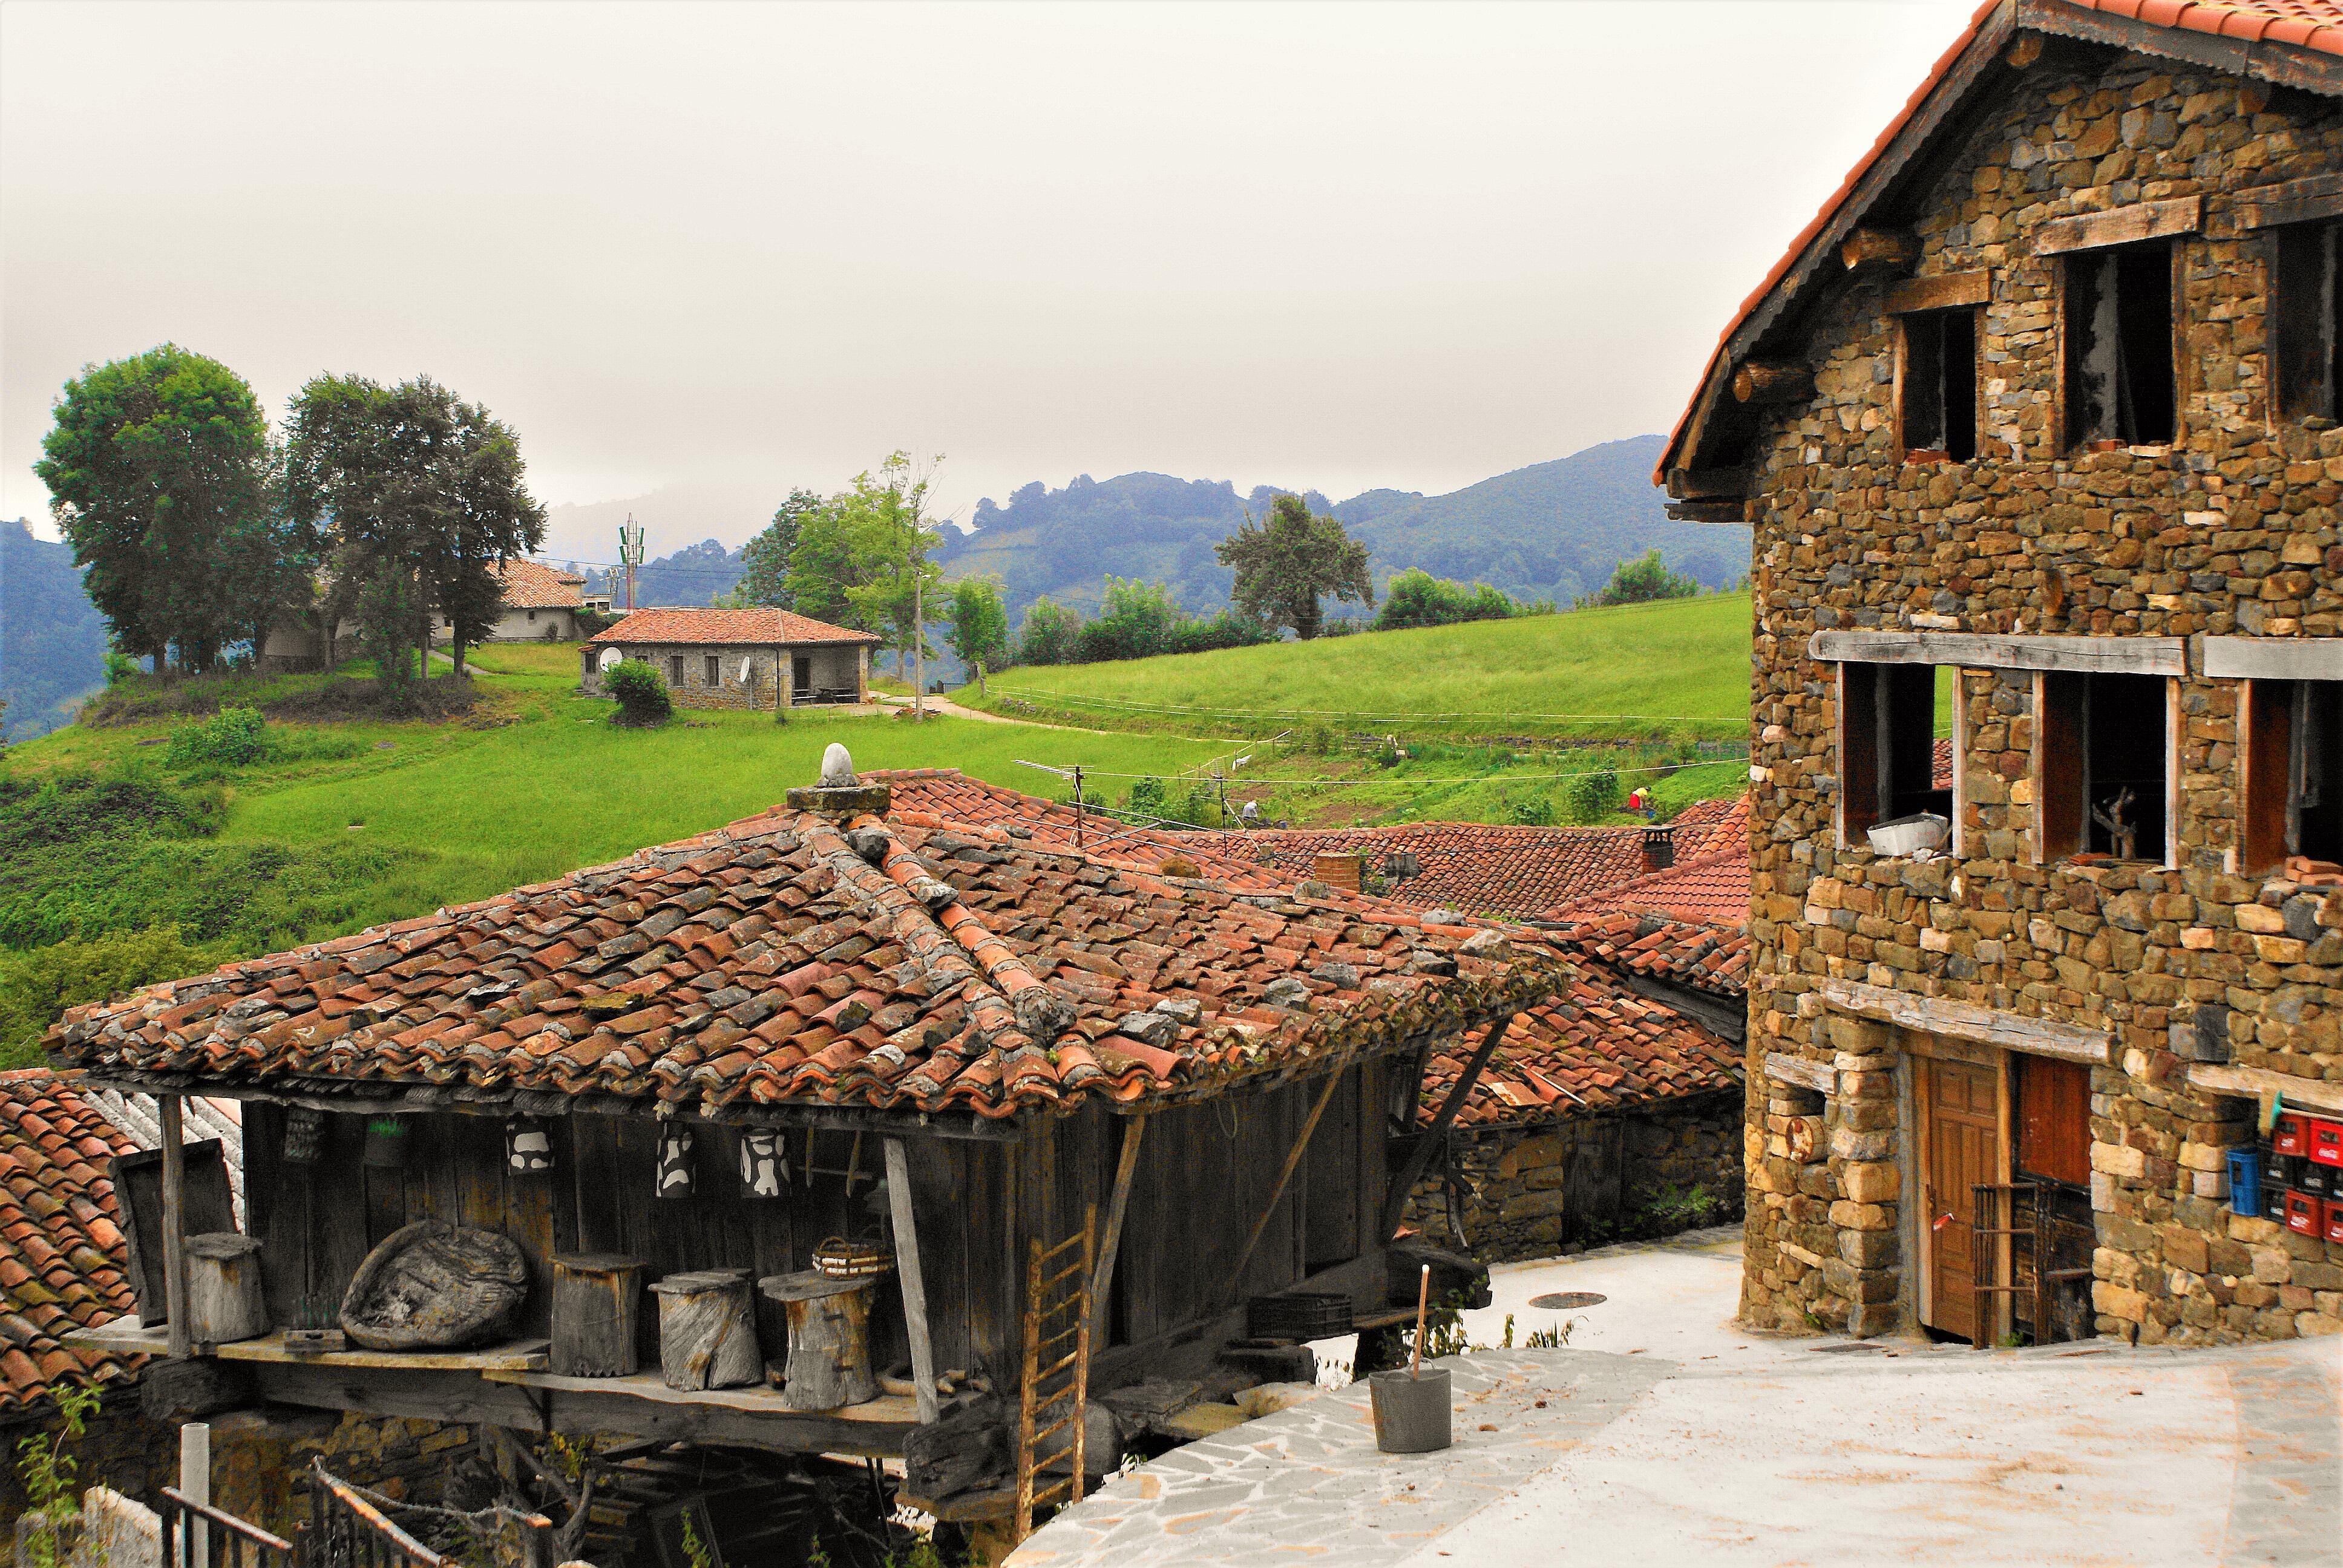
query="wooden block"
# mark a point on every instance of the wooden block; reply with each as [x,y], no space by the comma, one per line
[2125,224]
[1942,292]
[597,1298]
[829,1340]
[708,1330]
[138,1193]
[224,1297]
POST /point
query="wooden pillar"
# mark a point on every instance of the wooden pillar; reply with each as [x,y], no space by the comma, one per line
[1103,1286]
[175,1223]
[915,1286]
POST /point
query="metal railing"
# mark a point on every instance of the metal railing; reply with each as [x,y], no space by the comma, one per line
[197,1535]
[345,1531]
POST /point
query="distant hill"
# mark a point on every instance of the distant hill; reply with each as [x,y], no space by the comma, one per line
[1550,531]
[52,638]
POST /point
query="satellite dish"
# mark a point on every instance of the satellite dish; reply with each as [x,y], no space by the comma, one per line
[610,657]
[744,671]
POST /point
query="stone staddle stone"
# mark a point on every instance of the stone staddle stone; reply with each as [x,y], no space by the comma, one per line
[852,801]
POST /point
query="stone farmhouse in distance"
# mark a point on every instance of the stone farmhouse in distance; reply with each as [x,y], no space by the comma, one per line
[2037,428]
[731,658]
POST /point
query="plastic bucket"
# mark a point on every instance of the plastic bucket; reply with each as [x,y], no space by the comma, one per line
[1411,1413]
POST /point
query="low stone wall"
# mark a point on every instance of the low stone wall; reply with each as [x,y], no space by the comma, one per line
[1538,1189]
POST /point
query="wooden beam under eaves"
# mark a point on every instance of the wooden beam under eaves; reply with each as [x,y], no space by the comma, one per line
[1880,250]
[1708,484]
[1764,383]
[1705,512]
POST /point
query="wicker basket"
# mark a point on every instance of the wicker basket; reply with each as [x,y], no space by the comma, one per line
[843,1260]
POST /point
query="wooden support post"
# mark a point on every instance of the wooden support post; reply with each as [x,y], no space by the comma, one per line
[914,1280]
[1101,1290]
[175,1224]
[1395,1198]
[1277,1194]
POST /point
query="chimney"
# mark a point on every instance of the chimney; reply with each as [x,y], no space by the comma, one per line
[1659,849]
[1337,870]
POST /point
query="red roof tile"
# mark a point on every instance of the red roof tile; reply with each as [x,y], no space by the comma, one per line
[915,967]
[2313,24]
[1711,890]
[529,585]
[61,1248]
[730,628]
[1714,959]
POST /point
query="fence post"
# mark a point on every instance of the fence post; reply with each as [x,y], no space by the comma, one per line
[196,1486]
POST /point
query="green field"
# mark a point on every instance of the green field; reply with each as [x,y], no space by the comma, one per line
[1680,667]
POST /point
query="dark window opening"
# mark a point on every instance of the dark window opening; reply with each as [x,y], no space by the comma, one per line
[1888,762]
[2053,1121]
[2294,771]
[2103,749]
[675,670]
[2302,326]
[2118,326]
[1940,384]
[715,670]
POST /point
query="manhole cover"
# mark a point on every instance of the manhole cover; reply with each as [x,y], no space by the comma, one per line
[1565,1301]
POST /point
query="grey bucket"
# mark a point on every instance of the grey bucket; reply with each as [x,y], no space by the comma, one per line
[1411,1413]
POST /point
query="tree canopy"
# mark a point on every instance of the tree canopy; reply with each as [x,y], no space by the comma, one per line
[1416,598]
[765,559]
[159,470]
[859,556]
[1642,580]
[978,630]
[1287,563]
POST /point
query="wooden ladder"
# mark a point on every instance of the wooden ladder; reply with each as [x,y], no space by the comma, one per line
[1056,1384]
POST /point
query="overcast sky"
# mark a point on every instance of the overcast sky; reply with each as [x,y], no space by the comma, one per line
[731,249]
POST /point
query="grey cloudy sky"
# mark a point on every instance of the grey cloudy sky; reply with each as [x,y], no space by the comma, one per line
[727,248]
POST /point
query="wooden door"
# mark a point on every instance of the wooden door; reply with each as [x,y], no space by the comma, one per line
[1963,1128]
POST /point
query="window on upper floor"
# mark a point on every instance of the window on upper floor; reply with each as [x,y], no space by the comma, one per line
[1889,716]
[1936,385]
[2102,765]
[2118,321]
[2291,763]
[2303,340]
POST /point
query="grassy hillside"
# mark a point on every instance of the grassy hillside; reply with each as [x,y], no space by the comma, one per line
[1679,667]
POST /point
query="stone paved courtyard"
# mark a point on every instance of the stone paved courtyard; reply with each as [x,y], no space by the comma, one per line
[1668,1434]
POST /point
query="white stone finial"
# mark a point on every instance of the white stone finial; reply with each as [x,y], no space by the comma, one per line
[836,769]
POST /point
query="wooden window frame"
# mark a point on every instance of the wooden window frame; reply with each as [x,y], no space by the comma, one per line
[712,669]
[2062,753]
[1904,450]
[1859,748]
[2182,384]
[675,670]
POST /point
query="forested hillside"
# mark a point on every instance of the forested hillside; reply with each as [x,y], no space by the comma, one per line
[52,638]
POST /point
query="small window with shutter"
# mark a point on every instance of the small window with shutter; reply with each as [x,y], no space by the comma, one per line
[675,670]
[715,669]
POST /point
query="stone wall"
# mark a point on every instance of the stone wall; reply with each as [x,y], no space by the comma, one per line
[2232,530]
[834,665]
[1534,1190]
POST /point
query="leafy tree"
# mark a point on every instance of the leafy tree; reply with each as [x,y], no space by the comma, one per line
[1642,580]
[1049,634]
[160,469]
[1594,793]
[1416,598]
[410,497]
[765,558]
[1136,620]
[1285,565]
[979,623]
[861,558]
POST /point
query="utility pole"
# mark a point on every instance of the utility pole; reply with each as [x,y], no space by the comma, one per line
[631,554]
[919,639]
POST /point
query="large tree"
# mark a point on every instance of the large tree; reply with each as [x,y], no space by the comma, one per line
[413,497]
[979,623]
[862,558]
[765,559]
[159,470]
[1286,563]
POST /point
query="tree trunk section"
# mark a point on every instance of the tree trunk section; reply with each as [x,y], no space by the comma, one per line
[597,1298]
[829,1340]
[708,1330]
[224,1302]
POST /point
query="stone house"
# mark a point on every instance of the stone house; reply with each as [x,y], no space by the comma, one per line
[2036,421]
[731,658]
[540,604]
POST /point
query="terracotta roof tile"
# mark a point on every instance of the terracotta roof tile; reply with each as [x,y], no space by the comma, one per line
[730,628]
[61,1250]
[530,584]
[1709,890]
[1714,959]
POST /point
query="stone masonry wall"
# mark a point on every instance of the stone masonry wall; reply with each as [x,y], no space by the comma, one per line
[1517,1189]
[2231,530]
[834,665]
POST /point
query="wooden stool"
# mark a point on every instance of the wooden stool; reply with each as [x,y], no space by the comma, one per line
[708,1330]
[829,1340]
[224,1302]
[597,1298]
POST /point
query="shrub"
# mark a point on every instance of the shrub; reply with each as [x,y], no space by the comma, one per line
[119,667]
[1416,598]
[1049,634]
[641,694]
[1534,812]
[1593,794]
[232,738]
[38,985]
[1147,797]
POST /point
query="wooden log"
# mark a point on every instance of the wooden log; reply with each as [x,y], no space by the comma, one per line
[1761,383]
[915,1283]
[175,1224]
[1968,1020]
[1110,1242]
[2123,225]
[708,1330]
[828,1365]
[959,1454]
[435,1286]
[223,1300]
[2023,51]
[1892,249]
[1941,292]
[597,1298]
[171,1392]
[1434,1136]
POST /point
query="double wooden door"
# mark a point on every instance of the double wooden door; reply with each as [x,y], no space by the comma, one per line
[1962,1140]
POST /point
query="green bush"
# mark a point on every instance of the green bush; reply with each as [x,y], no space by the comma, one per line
[1416,597]
[642,695]
[1147,797]
[232,738]
[36,986]
[1534,812]
[1594,794]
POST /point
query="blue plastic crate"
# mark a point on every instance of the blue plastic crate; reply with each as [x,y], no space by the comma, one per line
[2245,1182]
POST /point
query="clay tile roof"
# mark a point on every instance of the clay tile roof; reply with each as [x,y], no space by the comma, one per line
[919,966]
[1709,890]
[1714,959]
[2312,24]
[531,586]
[730,628]
[61,1247]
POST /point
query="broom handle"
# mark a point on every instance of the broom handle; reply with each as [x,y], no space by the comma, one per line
[1422,1296]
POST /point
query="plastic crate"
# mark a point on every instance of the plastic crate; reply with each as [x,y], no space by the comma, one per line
[2291,1135]
[2326,1141]
[2245,1182]
[2286,1168]
[2333,1221]
[2305,1214]
[2319,1181]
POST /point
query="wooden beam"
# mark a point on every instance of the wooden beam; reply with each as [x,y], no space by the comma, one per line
[915,1284]
[2274,658]
[1942,291]
[1941,1015]
[1706,512]
[2308,69]
[2124,225]
[2022,55]
[2254,1082]
[175,1223]
[1799,1073]
[1981,650]
[1895,249]
[1285,1175]
[1126,1166]
[1708,484]
[1419,1157]
[2305,200]
[1764,383]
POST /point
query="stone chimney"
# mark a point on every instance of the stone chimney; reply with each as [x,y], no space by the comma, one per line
[1659,849]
